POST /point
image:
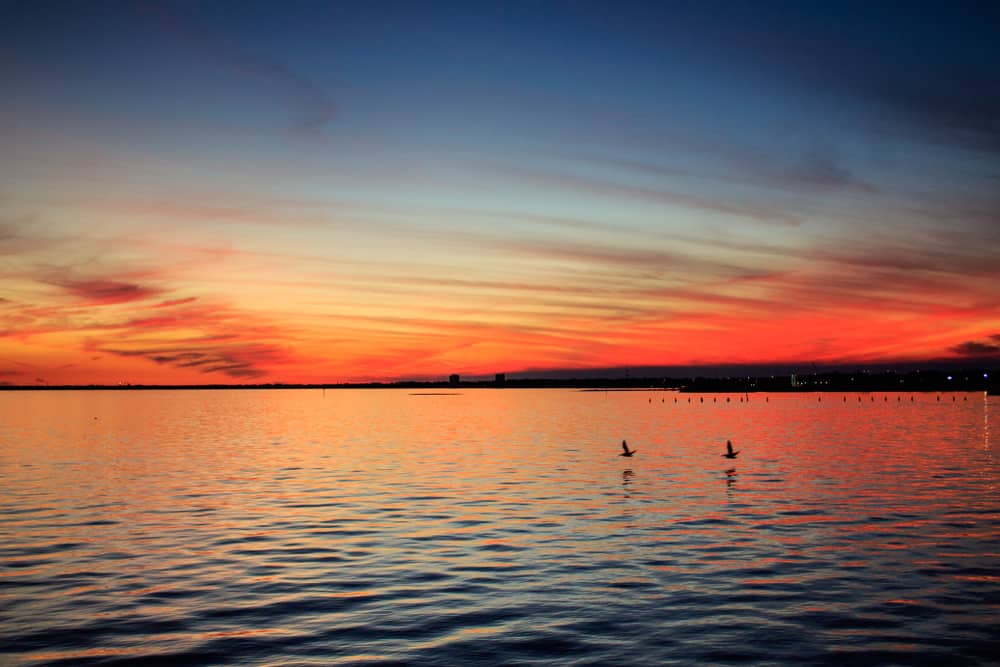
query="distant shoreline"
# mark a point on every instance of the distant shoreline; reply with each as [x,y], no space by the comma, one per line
[970,380]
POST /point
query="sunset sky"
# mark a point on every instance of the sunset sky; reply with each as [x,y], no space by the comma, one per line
[325,192]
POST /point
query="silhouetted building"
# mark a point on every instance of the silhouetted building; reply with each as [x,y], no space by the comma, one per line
[453,379]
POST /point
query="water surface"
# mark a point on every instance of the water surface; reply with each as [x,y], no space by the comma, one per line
[498,526]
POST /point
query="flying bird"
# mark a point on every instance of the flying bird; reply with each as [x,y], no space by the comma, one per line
[730,454]
[627,451]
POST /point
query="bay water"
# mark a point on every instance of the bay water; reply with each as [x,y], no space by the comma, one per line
[497,526]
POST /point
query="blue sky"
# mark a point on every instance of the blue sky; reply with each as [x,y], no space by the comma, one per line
[399,189]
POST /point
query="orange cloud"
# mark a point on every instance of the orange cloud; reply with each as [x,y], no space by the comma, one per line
[430,301]
[99,292]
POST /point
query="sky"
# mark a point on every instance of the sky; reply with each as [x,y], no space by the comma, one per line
[245,192]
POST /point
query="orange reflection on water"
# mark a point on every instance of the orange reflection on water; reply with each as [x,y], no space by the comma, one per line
[89,653]
[297,506]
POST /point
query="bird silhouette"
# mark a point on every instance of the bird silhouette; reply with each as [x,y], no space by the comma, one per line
[627,451]
[730,454]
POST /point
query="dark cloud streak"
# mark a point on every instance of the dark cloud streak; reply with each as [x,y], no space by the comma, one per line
[921,70]
[105,291]
[311,104]
[977,349]
[236,361]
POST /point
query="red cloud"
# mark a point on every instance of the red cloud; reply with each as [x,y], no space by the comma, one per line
[176,302]
[101,291]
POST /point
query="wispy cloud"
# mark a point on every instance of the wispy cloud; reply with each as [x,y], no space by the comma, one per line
[980,349]
[207,336]
[734,206]
[910,90]
[975,348]
[108,306]
[240,361]
[105,291]
[244,210]
[176,302]
[502,297]
[22,234]
[812,172]
[313,108]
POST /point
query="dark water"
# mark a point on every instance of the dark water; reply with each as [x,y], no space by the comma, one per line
[498,527]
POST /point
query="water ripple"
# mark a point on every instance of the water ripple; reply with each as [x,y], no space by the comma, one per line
[505,530]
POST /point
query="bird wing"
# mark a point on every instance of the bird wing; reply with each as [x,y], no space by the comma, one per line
[625,447]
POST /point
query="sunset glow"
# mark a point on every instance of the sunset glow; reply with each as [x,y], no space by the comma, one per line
[331,192]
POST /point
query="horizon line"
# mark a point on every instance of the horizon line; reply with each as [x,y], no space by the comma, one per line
[583,378]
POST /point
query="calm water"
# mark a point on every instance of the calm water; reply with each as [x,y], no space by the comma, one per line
[497,526]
